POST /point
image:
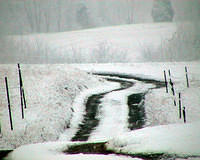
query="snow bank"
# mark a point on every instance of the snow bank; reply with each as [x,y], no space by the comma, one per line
[53,151]
[50,92]
[176,139]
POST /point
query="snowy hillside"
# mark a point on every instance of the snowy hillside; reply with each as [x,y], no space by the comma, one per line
[109,44]
[58,95]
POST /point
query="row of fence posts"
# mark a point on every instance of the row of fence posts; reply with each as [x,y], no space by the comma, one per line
[181,110]
[22,97]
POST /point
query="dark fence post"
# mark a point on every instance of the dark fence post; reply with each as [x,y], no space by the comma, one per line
[174,102]
[173,91]
[22,86]
[8,98]
[179,95]
[184,115]
[166,83]
[22,108]
[21,91]
[169,73]
[186,72]
[172,86]
[170,79]
[171,83]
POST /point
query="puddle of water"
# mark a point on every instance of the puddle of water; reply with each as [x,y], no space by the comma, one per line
[136,115]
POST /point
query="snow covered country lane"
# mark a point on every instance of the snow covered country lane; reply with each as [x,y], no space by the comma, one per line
[106,125]
[109,114]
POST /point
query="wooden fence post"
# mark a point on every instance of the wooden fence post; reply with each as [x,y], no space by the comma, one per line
[21,91]
[173,91]
[22,86]
[172,87]
[171,83]
[179,95]
[24,99]
[166,83]
[186,74]
[169,73]
[9,108]
[184,115]
[174,101]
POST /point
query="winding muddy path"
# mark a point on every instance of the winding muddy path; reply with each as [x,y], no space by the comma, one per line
[135,102]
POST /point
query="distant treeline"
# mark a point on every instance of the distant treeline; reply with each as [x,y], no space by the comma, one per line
[30,16]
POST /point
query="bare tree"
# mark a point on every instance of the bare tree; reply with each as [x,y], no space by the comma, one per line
[130,11]
[58,11]
[48,15]
[33,12]
[47,19]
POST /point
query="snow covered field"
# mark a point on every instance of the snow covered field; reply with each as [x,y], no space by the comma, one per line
[176,138]
[56,96]
[115,44]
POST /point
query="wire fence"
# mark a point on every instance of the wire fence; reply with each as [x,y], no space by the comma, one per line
[170,84]
[7,91]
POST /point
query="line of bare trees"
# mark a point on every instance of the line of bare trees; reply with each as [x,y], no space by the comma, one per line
[42,16]
[47,15]
[61,15]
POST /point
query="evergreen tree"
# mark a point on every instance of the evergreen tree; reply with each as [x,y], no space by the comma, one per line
[82,15]
[162,11]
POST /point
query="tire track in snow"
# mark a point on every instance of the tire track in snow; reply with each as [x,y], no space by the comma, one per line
[135,102]
[125,114]
[157,83]
[91,119]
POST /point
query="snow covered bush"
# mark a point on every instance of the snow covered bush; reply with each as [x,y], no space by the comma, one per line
[104,53]
[149,53]
[27,49]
